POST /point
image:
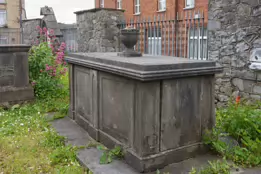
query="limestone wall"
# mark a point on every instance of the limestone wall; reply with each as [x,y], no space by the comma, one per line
[98,30]
[30,33]
[234,32]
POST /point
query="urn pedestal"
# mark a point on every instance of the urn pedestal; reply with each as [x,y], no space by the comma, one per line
[156,108]
[129,38]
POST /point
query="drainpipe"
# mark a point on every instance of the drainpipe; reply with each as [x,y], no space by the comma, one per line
[21,21]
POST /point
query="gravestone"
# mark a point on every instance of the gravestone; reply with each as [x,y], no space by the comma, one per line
[14,74]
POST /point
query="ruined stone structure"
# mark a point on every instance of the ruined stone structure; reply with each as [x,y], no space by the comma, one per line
[49,21]
[98,30]
[29,29]
[234,33]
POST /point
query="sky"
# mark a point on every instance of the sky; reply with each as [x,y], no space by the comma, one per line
[63,9]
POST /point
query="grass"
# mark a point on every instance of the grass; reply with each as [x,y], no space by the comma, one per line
[242,123]
[28,144]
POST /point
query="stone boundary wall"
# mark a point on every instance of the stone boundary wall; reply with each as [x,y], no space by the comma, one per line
[30,33]
[234,33]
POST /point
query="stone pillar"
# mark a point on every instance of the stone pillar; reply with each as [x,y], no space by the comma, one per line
[98,30]
[14,74]
[234,33]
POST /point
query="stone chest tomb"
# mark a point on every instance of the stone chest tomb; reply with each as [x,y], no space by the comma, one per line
[14,74]
[156,107]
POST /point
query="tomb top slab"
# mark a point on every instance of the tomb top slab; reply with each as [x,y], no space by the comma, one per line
[6,48]
[144,68]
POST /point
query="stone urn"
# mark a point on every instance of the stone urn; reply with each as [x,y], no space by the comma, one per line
[129,38]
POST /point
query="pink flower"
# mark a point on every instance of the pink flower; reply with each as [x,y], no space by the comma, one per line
[33,83]
[45,30]
[41,31]
[38,27]
[51,31]
[48,68]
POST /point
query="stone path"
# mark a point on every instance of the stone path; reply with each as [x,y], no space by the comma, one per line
[89,157]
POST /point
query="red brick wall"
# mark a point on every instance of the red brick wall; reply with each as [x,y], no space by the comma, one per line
[150,7]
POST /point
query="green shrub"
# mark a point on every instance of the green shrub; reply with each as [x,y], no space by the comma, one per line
[48,71]
[215,167]
[243,123]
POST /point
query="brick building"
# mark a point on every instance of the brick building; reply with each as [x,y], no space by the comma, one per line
[12,12]
[148,8]
[168,27]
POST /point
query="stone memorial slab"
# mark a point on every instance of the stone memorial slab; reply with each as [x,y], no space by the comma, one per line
[14,74]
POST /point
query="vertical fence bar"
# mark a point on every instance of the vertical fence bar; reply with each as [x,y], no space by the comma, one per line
[198,38]
[180,37]
[154,34]
[168,35]
[193,34]
[158,31]
[138,27]
[162,34]
[144,37]
[165,34]
[177,37]
[189,53]
[185,33]
[150,35]
[202,36]
[173,36]
[206,43]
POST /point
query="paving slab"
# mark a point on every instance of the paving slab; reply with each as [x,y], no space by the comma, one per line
[90,157]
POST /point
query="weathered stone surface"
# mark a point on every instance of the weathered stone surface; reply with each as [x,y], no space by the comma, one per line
[233,34]
[257,89]
[142,103]
[14,74]
[229,141]
[238,83]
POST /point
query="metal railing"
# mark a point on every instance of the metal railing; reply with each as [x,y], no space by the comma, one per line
[184,35]
[11,36]
[70,39]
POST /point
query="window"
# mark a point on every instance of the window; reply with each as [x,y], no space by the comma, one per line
[119,2]
[137,6]
[162,5]
[102,3]
[3,40]
[2,1]
[198,44]
[154,41]
[2,18]
[189,3]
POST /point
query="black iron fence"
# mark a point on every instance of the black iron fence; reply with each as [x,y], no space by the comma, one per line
[183,35]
